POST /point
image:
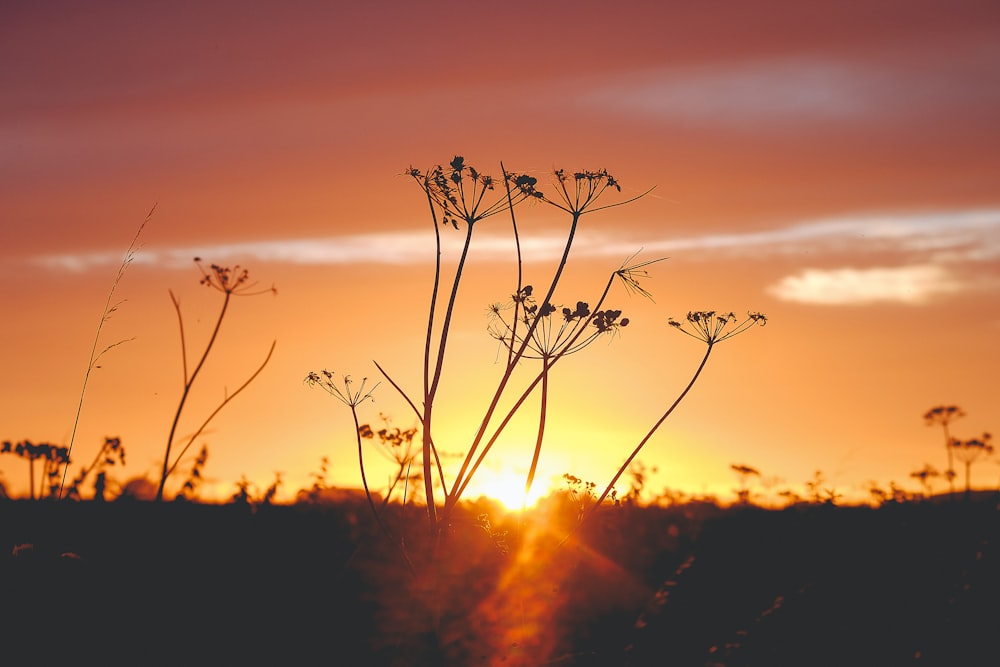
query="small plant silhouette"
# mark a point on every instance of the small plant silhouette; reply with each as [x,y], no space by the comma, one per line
[968,452]
[54,459]
[231,282]
[110,453]
[744,472]
[925,475]
[944,415]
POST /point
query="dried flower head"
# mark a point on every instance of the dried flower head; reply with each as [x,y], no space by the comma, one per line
[551,336]
[943,414]
[712,327]
[460,190]
[345,394]
[229,280]
[631,274]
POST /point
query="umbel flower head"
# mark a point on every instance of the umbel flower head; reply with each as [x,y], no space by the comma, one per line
[577,192]
[559,330]
[345,394]
[460,190]
[229,280]
[712,327]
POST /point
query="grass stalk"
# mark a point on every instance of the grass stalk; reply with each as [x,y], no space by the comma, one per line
[95,356]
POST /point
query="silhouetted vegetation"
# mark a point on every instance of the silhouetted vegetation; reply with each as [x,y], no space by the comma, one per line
[693,584]
[230,282]
[424,575]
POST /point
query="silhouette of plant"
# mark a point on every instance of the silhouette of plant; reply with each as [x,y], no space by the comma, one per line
[925,475]
[817,492]
[342,390]
[110,307]
[530,326]
[231,282]
[111,452]
[189,490]
[944,415]
[398,446]
[711,328]
[535,332]
[744,472]
[54,458]
[638,474]
[970,451]
[247,494]
[314,493]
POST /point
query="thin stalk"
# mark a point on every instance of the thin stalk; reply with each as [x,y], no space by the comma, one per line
[364,477]
[509,371]
[94,354]
[459,489]
[225,401]
[542,412]
[188,381]
[642,443]
[434,294]
[416,411]
[520,262]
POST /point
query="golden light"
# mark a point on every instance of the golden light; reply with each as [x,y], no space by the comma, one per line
[507,487]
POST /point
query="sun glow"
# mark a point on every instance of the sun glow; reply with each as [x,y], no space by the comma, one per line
[507,487]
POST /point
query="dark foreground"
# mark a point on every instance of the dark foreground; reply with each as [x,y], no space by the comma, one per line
[188,584]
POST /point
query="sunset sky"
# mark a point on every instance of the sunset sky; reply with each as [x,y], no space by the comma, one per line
[835,165]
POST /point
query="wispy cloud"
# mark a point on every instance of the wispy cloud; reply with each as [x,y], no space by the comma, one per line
[930,238]
[912,285]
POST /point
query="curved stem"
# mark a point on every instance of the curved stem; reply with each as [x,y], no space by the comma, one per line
[543,410]
[460,481]
[437,457]
[187,381]
[642,443]
[218,409]
[459,488]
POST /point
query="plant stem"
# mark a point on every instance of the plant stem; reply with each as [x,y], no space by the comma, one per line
[188,382]
[642,443]
[221,405]
[543,409]
[459,481]
[94,354]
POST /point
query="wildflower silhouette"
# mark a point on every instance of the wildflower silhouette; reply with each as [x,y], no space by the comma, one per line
[397,446]
[344,392]
[532,325]
[551,337]
[924,476]
[944,415]
[711,328]
[54,458]
[111,452]
[457,192]
[970,451]
[744,472]
[231,282]
[573,334]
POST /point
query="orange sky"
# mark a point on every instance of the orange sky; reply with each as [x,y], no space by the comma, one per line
[835,165]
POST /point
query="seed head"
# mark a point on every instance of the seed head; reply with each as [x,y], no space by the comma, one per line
[712,327]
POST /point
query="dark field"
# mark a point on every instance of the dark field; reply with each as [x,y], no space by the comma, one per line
[135,583]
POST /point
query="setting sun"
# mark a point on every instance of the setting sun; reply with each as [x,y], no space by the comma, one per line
[507,488]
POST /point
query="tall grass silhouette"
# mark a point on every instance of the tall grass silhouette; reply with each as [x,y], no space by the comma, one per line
[110,307]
